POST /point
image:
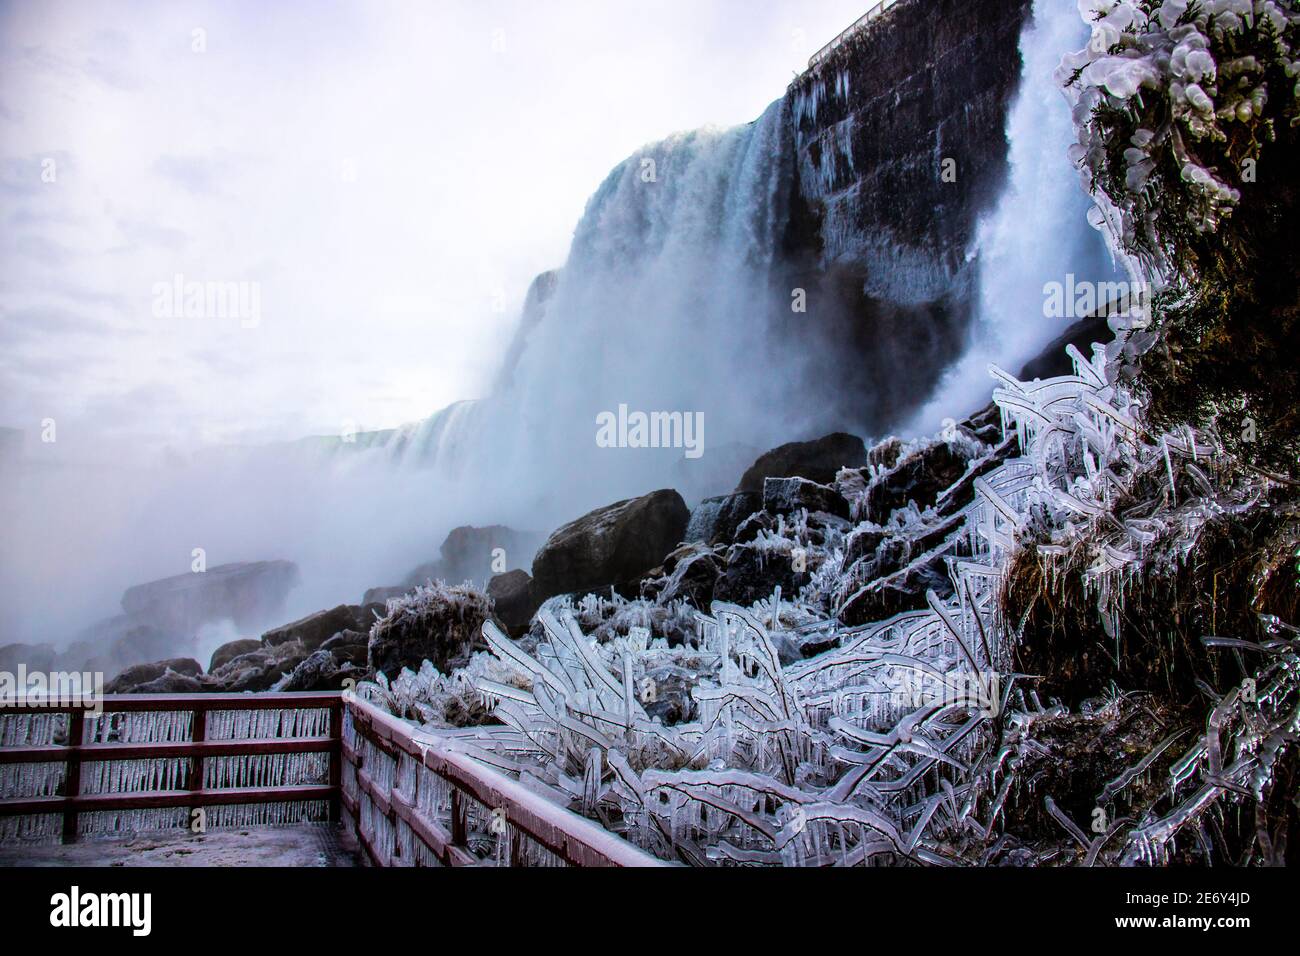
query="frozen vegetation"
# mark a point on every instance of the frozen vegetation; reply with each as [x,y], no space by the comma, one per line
[907,740]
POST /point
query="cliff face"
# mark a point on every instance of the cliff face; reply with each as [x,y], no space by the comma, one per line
[900,146]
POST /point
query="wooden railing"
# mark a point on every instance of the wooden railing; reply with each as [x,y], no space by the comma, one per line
[188,749]
[857,24]
[416,801]
[409,796]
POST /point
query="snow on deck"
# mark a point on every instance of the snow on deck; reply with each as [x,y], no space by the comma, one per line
[307,845]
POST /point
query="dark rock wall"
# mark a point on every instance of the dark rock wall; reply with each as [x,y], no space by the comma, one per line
[877,237]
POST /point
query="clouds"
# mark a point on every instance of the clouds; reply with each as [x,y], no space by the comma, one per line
[389,177]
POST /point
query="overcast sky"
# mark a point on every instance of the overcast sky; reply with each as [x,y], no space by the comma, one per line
[385,177]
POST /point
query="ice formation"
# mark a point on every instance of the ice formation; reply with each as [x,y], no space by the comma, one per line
[902,742]
[1163,51]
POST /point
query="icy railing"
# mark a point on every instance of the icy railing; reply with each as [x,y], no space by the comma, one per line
[152,762]
[857,24]
[414,799]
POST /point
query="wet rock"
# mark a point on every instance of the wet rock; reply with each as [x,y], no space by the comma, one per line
[716,519]
[229,651]
[897,296]
[35,657]
[135,680]
[902,590]
[986,424]
[690,573]
[752,574]
[381,596]
[962,492]
[514,601]
[169,682]
[349,645]
[1053,359]
[613,545]
[753,526]
[315,629]
[439,624]
[817,461]
[247,593]
[885,454]
[788,495]
[475,555]
[667,696]
[921,477]
[471,554]
[321,670]
[257,670]
[864,541]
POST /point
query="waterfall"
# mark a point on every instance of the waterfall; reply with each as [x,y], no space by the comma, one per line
[1037,233]
[664,305]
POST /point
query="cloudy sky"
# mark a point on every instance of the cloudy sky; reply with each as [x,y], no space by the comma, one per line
[381,179]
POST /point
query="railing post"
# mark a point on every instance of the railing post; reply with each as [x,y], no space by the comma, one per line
[198,734]
[336,760]
[458,835]
[72,777]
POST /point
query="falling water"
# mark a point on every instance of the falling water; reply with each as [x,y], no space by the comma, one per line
[1038,232]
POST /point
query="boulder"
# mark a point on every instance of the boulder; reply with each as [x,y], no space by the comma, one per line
[169,682]
[248,593]
[753,526]
[1053,359]
[514,601]
[864,541]
[349,646]
[903,590]
[613,545]
[116,643]
[231,650]
[817,461]
[383,595]
[667,696]
[321,670]
[469,554]
[135,679]
[315,629]
[257,670]
[885,454]
[36,657]
[921,477]
[716,519]
[690,573]
[788,495]
[474,555]
[438,624]
[752,574]
[986,424]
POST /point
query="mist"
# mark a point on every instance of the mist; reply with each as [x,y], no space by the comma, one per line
[667,302]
